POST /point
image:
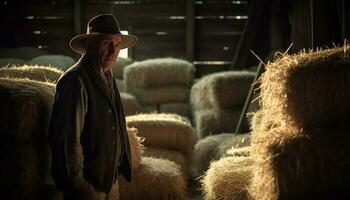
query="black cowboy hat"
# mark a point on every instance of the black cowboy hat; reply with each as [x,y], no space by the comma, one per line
[104,24]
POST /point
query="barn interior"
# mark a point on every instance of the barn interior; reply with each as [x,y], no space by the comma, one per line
[245,99]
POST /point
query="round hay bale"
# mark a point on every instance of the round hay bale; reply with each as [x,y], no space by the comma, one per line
[172,155]
[60,61]
[130,104]
[222,90]
[119,65]
[25,109]
[136,147]
[299,165]
[120,85]
[160,94]
[212,121]
[24,53]
[159,72]
[183,109]
[155,179]
[33,72]
[6,62]
[308,90]
[228,178]
[214,147]
[167,131]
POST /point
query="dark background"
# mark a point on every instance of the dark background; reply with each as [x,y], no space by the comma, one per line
[216,35]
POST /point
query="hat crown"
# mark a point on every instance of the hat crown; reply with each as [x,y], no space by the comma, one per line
[105,24]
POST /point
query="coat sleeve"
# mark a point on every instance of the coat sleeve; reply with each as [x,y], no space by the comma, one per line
[66,125]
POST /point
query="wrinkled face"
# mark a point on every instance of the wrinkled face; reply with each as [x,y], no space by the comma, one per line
[108,50]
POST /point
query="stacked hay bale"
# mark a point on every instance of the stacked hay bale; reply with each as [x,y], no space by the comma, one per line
[33,72]
[228,178]
[213,148]
[148,172]
[6,62]
[162,84]
[301,145]
[130,104]
[166,131]
[217,101]
[25,53]
[60,61]
[118,71]
[25,153]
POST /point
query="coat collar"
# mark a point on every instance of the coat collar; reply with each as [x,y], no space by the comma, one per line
[97,79]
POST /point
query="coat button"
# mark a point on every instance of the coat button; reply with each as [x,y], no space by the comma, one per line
[111,158]
[113,142]
[113,128]
[109,110]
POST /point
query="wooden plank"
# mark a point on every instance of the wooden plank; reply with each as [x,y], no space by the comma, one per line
[190,30]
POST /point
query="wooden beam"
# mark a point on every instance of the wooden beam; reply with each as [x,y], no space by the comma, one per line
[77,17]
[190,30]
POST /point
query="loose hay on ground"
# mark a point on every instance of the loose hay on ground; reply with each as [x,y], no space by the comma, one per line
[33,72]
[221,90]
[228,178]
[159,72]
[214,147]
[168,131]
[155,179]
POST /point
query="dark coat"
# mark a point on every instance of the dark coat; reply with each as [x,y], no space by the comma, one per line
[84,127]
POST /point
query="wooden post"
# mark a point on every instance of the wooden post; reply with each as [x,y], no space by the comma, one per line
[77,17]
[190,30]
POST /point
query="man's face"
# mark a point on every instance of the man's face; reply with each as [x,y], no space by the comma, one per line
[108,50]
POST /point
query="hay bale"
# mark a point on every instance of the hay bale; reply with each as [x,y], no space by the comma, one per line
[160,94]
[308,90]
[130,104]
[300,145]
[149,109]
[155,179]
[159,72]
[24,53]
[167,131]
[167,154]
[120,85]
[34,72]
[183,109]
[228,178]
[119,65]
[214,147]
[222,90]
[212,121]
[135,146]
[60,61]
[240,151]
[5,62]
[299,165]
[25,109]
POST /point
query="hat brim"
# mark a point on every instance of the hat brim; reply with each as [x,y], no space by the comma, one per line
[78,43]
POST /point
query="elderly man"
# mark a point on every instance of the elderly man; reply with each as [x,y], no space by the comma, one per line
[90,145]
